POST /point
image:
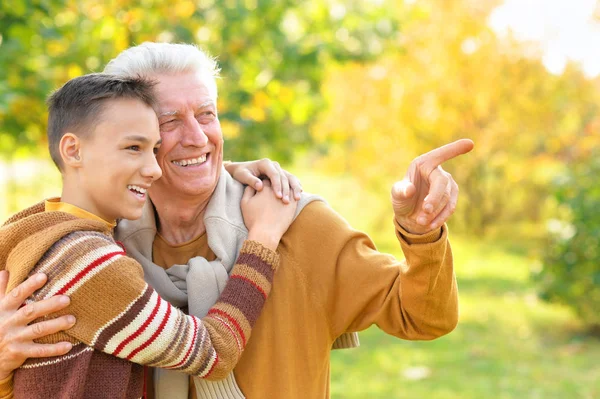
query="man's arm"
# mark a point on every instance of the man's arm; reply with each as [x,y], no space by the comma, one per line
[358,286]
[250,173]
[17,335]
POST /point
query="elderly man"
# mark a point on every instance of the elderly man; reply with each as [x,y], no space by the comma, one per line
[331,283]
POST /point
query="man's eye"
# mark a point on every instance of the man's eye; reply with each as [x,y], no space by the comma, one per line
[168,125]
[206,117]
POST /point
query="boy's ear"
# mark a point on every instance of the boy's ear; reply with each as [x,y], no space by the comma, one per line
[70,150]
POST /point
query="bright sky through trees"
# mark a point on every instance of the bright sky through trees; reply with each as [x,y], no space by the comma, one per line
[566,30]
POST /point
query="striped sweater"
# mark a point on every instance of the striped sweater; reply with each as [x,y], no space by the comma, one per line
[121,322]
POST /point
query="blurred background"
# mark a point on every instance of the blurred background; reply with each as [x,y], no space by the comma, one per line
[345,94]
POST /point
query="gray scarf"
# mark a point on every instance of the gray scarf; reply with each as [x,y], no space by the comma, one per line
[226,233]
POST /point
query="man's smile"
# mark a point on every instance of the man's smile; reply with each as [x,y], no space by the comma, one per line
[191,161]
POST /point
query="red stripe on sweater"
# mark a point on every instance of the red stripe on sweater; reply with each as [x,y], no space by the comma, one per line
[264,294]
[237,341]
[189,351]
[213,366]
[87,270]
[153,337]
[232,320]
[140,330]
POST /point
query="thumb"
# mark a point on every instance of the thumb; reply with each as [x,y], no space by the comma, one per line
[248,193]
[402,197]
[249,178]
[257,183]
[403,190]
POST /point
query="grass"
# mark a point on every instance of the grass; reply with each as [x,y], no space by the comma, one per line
[507,344]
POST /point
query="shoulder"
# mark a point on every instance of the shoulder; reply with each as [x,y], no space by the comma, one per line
[318,226]
[318,217]
[84,243]
[87,237]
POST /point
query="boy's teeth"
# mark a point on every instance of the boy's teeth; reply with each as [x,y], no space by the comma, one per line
[137,188]
[192,161]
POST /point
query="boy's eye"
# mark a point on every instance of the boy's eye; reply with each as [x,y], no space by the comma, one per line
[156,150]
[134,147]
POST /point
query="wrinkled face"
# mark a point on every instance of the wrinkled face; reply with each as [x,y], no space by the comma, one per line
[191,153]
[119,160]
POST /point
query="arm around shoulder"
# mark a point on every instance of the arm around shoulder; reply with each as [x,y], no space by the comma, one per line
[119,314]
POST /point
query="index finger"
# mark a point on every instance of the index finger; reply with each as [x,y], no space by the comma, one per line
[272,172]
[435,158]
[20,293]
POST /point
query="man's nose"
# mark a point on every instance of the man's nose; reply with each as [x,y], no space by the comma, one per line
[193,134]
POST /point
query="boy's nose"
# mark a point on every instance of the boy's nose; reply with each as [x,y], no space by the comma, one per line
[151,169]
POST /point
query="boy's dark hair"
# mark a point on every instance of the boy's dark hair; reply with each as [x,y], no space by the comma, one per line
[77,106]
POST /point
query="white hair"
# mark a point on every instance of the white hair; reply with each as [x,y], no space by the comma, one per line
[151,58]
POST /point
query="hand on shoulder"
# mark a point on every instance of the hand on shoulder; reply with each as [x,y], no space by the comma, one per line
[266,217]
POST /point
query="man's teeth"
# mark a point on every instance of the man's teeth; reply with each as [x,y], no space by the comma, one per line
[137,188]
[193,161]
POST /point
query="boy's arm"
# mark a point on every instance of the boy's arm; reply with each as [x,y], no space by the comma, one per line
[119,314]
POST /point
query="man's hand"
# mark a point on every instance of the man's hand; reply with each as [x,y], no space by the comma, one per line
[282,181]
[16,336]
[266,217]
[427,195]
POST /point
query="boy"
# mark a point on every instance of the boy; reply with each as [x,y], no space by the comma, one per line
[103,135]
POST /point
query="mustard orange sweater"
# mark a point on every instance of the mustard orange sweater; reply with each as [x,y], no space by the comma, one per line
[332,280]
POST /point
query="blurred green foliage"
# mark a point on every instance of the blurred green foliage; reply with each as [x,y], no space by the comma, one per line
[571,264]
[451,77]
[272,54]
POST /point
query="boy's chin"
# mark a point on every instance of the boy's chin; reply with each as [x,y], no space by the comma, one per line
[132,215]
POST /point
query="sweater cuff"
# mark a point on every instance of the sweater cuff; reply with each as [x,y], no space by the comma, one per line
[265,254]
[6,387]
[427,238]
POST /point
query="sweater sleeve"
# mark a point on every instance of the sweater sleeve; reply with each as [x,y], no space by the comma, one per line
[119,314]
[358,286]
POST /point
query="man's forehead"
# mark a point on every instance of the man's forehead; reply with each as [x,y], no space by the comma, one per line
[165,111]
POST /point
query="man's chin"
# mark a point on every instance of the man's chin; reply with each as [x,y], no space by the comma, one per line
[178,186]
[198,188]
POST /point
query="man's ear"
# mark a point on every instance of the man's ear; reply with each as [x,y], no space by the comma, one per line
[70,150]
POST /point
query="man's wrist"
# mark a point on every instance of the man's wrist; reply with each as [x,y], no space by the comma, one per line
[416,238]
